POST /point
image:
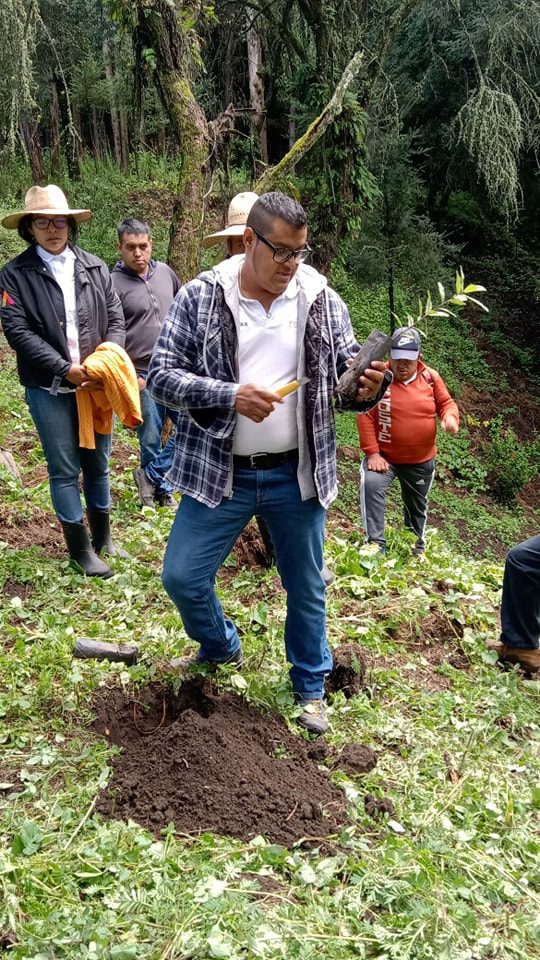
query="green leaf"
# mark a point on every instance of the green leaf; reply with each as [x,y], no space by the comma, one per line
[442,293]
[474,288]
[28,840]
[478,304]
[127,952]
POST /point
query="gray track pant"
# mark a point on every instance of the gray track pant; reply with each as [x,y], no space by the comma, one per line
[415,480]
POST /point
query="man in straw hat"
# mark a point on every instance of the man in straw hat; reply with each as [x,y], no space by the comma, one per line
[58,305]
[232,339]
[233,232]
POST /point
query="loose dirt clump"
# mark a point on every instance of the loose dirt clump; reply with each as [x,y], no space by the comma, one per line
[356,759]
[436,638]
[12,588]
[349,670]
[209,761]
[376,807]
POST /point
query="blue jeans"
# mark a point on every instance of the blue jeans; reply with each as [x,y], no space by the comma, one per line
[520,606]
[200,540]
[57,424]
[155,459]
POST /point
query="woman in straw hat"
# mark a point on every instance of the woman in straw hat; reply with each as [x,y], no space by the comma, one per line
[57,306]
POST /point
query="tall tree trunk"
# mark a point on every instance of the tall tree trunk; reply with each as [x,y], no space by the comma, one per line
[74,145]
[124,139]
[54,130]
[115,121]
[158,29]
[32,146]
[256,87]
[96,138]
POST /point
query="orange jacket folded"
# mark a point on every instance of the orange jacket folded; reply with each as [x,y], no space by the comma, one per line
[120,395]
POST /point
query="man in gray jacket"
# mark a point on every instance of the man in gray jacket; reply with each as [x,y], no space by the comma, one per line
[146,289]
[231,339]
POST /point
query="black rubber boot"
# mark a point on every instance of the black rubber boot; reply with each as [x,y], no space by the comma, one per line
[82,553]
[100,529]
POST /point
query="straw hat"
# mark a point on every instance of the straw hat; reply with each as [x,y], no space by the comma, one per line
[49,201]
[237,215]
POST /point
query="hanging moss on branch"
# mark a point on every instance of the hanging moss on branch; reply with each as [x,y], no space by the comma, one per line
[491,128]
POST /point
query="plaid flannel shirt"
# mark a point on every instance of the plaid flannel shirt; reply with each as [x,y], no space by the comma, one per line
[194,370]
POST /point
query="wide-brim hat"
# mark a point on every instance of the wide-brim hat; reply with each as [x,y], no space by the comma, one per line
[50,201]
[237,215]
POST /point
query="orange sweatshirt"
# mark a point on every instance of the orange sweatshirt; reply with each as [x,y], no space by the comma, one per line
[403,427]
[111,364]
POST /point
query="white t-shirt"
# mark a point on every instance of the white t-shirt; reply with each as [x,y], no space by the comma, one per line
[268,356]
[62,266]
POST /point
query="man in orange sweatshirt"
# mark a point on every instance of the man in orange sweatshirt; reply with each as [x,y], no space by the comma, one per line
[398,438]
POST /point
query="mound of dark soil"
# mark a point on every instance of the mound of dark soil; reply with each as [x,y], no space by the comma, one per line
[349,670]
[209,761]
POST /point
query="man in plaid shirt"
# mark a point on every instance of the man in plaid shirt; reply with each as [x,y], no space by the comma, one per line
[231,338]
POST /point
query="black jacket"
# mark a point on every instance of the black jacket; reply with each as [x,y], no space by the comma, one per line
[34,320]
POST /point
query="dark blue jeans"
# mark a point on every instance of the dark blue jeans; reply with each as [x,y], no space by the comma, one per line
[200,540]
[57,424]
[520,607]
[155,459]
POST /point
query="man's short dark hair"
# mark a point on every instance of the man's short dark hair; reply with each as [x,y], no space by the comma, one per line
[132,225]
[23,228]
[275,206]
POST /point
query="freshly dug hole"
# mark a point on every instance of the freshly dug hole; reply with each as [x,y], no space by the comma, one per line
[209,761]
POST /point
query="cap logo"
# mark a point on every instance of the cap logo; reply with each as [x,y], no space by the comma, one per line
[406,339]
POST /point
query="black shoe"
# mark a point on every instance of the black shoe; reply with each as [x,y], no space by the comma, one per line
[100,529]
[145,489]
[82,553]
[165,500]
[195,660]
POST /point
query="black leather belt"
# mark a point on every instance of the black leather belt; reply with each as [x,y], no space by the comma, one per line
[265,461]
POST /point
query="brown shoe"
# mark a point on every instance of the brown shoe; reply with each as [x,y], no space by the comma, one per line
[528,660]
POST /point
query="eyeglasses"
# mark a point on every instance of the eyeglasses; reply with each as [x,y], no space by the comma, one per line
[283,254]
[43,223]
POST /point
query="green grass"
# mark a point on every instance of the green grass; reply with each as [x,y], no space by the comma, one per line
[453,874]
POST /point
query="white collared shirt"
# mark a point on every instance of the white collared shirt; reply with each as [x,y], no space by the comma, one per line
[268,356]
[62,266]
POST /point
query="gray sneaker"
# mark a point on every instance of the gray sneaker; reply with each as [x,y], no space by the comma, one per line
[313,716]
[195,660]
[145,489]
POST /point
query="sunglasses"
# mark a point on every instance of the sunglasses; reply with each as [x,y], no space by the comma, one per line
[43,223]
